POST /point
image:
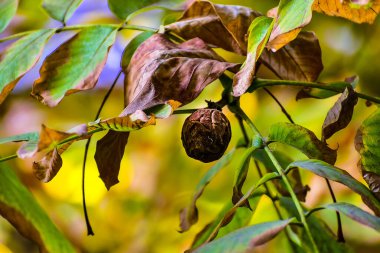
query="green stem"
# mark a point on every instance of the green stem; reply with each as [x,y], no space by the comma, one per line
[185,111]
[15,36]
[140,28]
[260,83]
[3,159]
[280,170]
[79,27]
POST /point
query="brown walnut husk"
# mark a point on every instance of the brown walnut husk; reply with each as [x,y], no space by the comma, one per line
[206,134]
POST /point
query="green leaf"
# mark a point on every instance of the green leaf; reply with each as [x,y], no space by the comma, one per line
[75,65]
[241,174]
[124,8]
[259,31]
[61,10]
[20,137]
[367,144]
[328,171]
[322,234]
[246,238]
[303,139]
[132,46]
[339,116]
[19,207]
[189,215]
[20,57]
[8,9]
[290,17]
[356,214]
[241,218]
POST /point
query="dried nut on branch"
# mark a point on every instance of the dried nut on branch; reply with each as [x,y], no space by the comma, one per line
[206,134]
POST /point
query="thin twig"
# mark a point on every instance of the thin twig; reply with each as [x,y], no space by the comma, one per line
[89,228]
[339,229]
[260,83]
[280,105]
[3,159]
[243,130]
[270,195]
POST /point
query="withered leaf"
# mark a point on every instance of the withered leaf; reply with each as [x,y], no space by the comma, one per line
[357,12]
[300,60]
[367,144]
[47,139]
[290,17]
[127,123]
[110,149]
[161,70]
[46,169]
[108,155]
[223,26]
[340,114]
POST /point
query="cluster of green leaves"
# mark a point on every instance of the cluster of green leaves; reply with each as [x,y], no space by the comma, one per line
[168,68]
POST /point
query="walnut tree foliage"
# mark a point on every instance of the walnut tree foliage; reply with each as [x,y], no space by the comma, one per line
[167,68]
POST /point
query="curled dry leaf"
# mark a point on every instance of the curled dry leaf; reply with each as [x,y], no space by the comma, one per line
[356,11]
[46,169]
[161,70]
[75,65]
[108,155]
[223,26]
[110,149]
[340,114]
[290,17]
[367,144]
[300,60]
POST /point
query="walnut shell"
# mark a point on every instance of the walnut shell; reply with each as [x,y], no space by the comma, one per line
[206,134]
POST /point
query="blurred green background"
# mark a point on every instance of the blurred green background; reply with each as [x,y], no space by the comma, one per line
[157,179]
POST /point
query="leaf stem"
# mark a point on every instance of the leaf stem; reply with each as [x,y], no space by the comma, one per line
[287,115]
[340,229]
[89,228]
[238,110]
[3,159]
[260,83]
[15,36]
[185,111]
[270,195]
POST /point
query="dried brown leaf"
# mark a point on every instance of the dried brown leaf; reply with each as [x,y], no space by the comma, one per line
[223,26]
[46,169]
[108,155]
[299,60]
[161,70]
[340,114]
[361,12]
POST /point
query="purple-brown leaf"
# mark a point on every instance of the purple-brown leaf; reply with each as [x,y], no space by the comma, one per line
[340,114]
[161,70]
[223,26]
[46,169]
[300,60]
[108,155]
